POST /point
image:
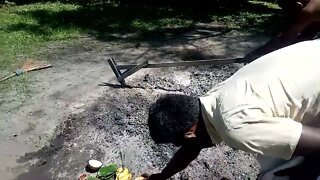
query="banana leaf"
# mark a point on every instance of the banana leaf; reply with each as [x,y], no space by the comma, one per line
[92,178]
[107,172]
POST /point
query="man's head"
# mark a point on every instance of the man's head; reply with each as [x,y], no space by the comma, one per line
[173,118]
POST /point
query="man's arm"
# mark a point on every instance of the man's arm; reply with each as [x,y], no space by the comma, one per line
[309,147]
[181,159]
[309,142]
[286,38]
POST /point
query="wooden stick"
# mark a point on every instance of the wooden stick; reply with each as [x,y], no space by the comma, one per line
[38,68]
[28,70]
[7,77]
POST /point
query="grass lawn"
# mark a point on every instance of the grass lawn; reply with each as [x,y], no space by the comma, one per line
[25,30]
[21,37]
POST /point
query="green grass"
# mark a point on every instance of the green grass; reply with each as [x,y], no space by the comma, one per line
[26,30]
[259,16]
[22,37]
[153,25]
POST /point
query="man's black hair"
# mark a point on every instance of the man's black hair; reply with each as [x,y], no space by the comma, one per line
[171,116]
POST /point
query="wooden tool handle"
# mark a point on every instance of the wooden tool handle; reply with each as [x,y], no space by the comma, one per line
[7,77]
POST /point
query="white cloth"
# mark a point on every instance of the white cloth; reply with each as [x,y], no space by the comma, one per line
[261,107]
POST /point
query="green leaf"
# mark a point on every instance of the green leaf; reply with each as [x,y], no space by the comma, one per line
[92,178]
[111,177]
[107,172]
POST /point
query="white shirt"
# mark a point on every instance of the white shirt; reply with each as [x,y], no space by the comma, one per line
[261,107]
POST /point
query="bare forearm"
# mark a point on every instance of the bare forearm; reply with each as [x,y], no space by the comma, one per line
[309,142]
[277,42]
[286,38]
[180,161]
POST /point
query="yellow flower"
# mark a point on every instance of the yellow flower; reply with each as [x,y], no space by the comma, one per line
[123,174]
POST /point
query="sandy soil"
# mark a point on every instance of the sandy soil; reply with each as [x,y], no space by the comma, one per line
[70,119]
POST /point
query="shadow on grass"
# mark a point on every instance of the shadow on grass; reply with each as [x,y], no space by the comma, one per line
[141,22]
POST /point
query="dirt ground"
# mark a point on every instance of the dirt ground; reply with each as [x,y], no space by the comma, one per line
[69,118]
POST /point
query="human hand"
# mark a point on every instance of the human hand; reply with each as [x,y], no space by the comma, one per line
[140,178]
[156,176]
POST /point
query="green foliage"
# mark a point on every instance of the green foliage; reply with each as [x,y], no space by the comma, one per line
[107,172]
[92,178]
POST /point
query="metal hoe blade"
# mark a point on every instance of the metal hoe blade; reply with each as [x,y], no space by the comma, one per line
[123,71]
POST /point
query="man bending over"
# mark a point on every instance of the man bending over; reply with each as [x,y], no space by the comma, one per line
[270,107]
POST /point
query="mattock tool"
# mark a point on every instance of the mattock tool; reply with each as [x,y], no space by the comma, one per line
[123,71]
